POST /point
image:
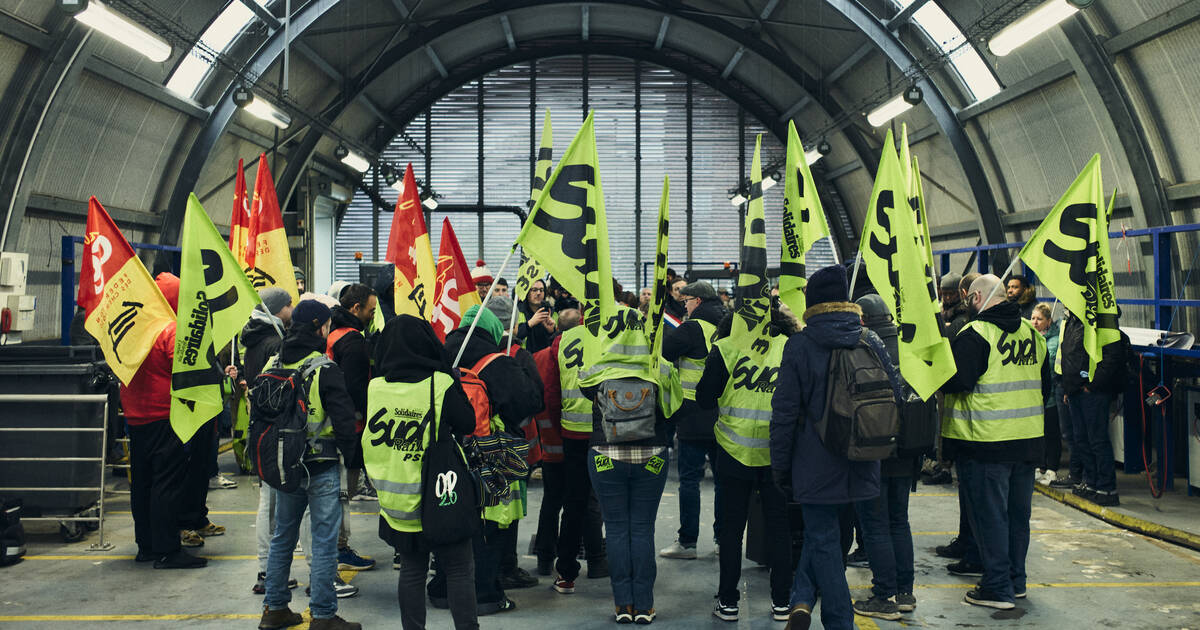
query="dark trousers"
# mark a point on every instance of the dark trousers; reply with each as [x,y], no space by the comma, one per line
[1089,420]
[158,470]
[579,522]
[506,540]
[193,499]
[738,482]
[1066,424]
[692,455]
[965,535]
[999,501]
[554,490]
[487,545]
[1053,439]
[457,564]
[820,569]
[629,496]
[888,537]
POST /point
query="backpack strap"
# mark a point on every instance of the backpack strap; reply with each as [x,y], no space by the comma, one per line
[484,362]
[310,366]
[335,337]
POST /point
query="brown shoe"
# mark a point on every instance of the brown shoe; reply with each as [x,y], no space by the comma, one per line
[211,529]
[190,538]
[281,618]
[799,618]
[333,623]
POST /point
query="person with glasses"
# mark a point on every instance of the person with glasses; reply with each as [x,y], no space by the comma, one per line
[537,331]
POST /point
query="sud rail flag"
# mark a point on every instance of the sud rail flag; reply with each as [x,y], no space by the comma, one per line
[803,224]
[215,300]
[409,250]
[269,261]
[124,310]
[895,263]
[454,290]
[1070,255]
[654,319]
[752,310]
[916,201]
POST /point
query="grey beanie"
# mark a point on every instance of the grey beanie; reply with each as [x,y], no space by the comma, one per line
[950,282]
[874,310]
[502,307]
[274,299]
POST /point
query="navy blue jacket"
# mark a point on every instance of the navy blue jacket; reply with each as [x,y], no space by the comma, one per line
[816,475]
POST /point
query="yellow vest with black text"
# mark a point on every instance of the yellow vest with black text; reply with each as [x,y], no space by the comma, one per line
[394,446]
[743,425]
[322,446]
[576,410]
[624,351]
[1006,403]
[690,369]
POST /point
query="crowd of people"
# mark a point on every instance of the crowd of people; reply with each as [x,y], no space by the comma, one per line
[524,372]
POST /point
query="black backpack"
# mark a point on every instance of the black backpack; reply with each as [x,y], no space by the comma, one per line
[279,423]
[919,425]
[12,534]
[861,421]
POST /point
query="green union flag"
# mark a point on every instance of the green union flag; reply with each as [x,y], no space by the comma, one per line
[1070,255]
[215,300]
[752,312]
[803,224]
[896,265]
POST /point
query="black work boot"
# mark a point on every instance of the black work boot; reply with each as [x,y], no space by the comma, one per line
[281,618]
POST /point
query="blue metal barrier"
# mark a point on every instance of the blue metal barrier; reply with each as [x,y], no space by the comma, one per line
[68,279]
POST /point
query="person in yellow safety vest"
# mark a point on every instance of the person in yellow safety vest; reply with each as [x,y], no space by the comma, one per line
[739,383]
[580,509]
[992,430]
[515,394]
[687,347]
[409,355]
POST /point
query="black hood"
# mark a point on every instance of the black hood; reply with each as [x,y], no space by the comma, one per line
[1006,315]
[259,328]
[710,311]
[408,350]
[301,341]
[478,347]
[343,318]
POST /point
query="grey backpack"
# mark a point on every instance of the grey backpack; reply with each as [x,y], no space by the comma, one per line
[861,420]
[626,408]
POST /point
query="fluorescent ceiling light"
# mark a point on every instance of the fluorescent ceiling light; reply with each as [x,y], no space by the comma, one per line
[768,183]
[259,108]
[811,156]
[430,203]
[124,31]
[356,161]
[946,36]
[1034,23]
[398,186]
[219,35]
[889,110]
[737,200]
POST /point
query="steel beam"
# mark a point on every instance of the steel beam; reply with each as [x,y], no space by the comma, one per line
[858,55]
[437,63]
[584,21]
[733,62]
[1028,85]
[662,32]
[508,32]
[1099,80]
[24,32]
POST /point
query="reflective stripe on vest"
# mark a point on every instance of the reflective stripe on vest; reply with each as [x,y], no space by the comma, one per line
[743,426]
[1006,403]
[508,510]
[576,410]
[393,448]
[691,369]
[625,354]
[318,427]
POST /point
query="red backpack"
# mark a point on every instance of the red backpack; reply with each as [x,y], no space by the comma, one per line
[477,393]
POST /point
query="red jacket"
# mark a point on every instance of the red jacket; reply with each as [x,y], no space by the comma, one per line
[549,421]
[147,398]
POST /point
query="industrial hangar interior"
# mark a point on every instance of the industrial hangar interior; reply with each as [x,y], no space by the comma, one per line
[163,121]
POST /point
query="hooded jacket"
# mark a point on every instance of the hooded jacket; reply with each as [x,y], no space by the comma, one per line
[1075,364]
[512,389]
[818,476]
[261,338]
[301,341]
[1026,301]
[351,354]
[954,318]
[147,398]
[693,422]
[535,338]
[971,356]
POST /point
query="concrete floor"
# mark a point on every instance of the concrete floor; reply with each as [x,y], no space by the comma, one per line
[1083,574]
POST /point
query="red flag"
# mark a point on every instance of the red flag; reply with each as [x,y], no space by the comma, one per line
[239,221]
[268,260]
[454,290]
[408,248]
[124,309]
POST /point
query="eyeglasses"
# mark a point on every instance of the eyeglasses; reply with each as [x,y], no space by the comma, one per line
[537,290]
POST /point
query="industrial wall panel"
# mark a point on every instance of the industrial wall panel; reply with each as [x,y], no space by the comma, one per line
[1126,14]
[1169,69]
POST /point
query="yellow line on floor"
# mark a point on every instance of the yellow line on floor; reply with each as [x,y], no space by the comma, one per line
[1120,519]
[232,513]
[865,623]
[1104,530]
[933,494]
[130,557]
[965,585]
[225,447]
[184,617]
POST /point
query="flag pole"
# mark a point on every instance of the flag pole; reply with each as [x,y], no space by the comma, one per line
[833,248]
[471,328]
[854,278]
[1006,272]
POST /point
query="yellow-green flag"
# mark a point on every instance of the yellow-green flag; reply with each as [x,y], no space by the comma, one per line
[215,300]
[545,159]
[529,273]
[654,315]
[803,224]
[896,266]
[567,230]
[753,293]
[916,201]
[1069,252]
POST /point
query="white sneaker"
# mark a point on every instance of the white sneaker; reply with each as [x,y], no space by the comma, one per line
[221,482]
[1049,477]
[677,550]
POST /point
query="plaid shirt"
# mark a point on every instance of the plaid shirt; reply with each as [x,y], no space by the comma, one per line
[629,454]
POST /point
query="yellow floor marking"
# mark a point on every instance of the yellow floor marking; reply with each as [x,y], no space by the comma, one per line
[933,494]
[964,585]
[199,616]
[226,447]
[123,557]
[229,513]
[864,623]
[1105,530]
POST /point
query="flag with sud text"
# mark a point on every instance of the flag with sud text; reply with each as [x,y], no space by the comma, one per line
[803,224]
[1069,252]
[239,220]
[916,201]
[530,270]
[454,289]
[895,263]
[269,259]
[409,250]
[123,308]
[215,300]
[752,309]
[658,300]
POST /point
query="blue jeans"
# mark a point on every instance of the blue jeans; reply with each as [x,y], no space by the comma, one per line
[319,493]
[888,537]
[820,568]
[999,499]
[691,471]
[629,495]
[1089,426]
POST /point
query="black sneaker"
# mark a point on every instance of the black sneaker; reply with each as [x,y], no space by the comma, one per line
[877,607]
[517,578]
[956,550]
[965,569]
[726,612]
[624,614]
[799,618]
[396,563]
[644,617]
[180,559]
[545,566]
[858,559]
[980,597]
[939,478]
[1100,497]
[1064,483]
[906,602]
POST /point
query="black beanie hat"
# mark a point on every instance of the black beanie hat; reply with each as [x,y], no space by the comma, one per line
[827,285]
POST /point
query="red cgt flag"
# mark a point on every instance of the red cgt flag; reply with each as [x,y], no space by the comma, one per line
[408,249]
[268,260]
[239,221]
[454,290]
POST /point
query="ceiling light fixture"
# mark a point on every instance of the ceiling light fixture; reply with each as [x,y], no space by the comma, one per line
[351,159]
[895,106]
[811,156]
[120,28]
[259,108]
[1034,23]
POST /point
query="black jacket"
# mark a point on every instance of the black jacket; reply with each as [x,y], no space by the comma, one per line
[261,340]
[351,354]
[1110,374]
[302,340]
[971,354]
[693,422]
[534,338]
[515,392]
[954,318]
